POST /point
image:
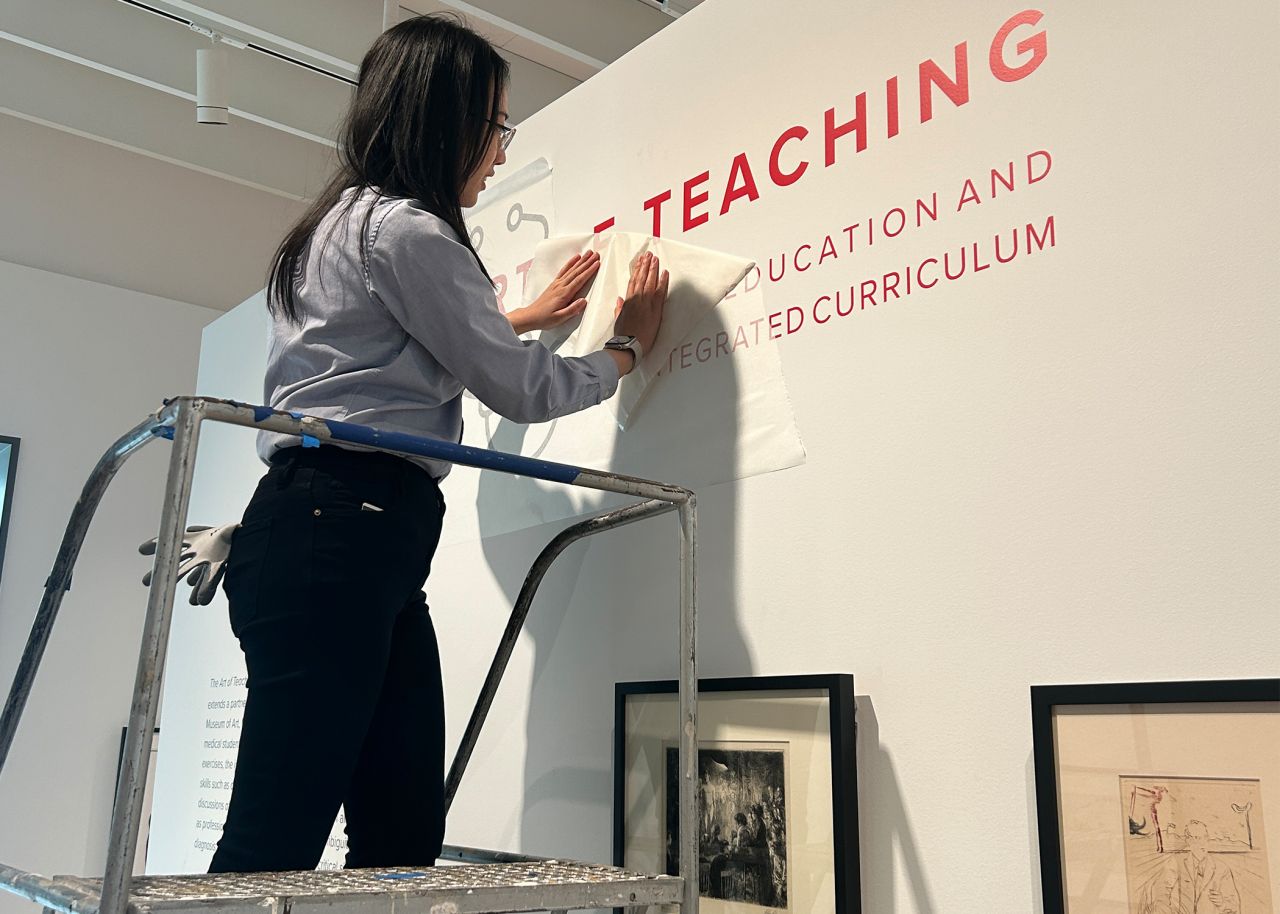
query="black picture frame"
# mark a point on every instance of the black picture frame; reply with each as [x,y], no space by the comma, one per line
[844,794]
[11,480]
[1045,698]
[148,795]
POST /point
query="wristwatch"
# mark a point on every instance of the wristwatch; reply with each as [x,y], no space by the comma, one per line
[626,344]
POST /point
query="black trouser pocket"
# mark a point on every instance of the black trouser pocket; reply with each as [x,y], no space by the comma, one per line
[246,566]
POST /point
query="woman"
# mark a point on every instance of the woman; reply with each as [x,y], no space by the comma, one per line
[382,315]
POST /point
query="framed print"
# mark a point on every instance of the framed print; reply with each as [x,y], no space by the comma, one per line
[148,795]
[8,478]
[777,791]
[1155,798]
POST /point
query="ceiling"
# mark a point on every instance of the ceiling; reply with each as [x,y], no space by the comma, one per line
[106,175]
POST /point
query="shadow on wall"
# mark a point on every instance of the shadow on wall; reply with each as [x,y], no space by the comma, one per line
[884,825]
[609,610]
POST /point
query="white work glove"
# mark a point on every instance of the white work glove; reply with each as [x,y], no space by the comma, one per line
[204,558]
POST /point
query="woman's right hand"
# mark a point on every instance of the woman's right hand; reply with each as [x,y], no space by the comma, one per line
[640,312]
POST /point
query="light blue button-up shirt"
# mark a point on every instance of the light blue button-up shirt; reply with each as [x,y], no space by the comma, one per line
[392,342]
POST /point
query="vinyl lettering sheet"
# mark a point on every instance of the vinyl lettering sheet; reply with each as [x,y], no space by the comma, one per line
[699,281]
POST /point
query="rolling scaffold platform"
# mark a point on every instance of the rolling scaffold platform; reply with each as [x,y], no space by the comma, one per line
[491,881]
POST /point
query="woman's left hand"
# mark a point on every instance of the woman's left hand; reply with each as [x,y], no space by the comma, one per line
[561,301]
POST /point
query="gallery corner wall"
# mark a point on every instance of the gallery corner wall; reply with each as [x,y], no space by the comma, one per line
[80,364]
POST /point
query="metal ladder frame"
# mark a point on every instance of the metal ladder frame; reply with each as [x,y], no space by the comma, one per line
[180,420]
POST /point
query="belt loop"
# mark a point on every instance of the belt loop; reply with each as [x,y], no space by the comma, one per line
[285,460]
[290,472]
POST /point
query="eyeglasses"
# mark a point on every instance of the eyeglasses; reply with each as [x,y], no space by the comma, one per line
[505,135]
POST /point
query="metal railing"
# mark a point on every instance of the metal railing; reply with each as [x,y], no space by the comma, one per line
[180,420]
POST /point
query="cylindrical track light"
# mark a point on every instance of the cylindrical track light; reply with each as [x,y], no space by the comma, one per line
[213,89]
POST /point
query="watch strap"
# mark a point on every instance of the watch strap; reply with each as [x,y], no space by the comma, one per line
[628,343]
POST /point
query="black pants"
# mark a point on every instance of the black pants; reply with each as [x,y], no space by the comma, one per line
[345,703]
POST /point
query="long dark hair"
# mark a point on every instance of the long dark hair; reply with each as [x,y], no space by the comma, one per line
[420,123]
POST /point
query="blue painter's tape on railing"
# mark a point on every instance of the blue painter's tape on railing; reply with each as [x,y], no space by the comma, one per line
[453,453]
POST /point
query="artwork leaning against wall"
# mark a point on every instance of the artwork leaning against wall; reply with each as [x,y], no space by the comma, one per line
[777,814]
[8,476]
[1166,786]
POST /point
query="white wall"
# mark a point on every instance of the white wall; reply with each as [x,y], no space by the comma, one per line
[80,364]
[1061,469]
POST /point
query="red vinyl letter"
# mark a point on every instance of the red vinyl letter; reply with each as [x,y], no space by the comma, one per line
[781,178]
[891,105]
[1037,44]
[691,200]
[832,131]
[957,90]
[740,167]
[655,204]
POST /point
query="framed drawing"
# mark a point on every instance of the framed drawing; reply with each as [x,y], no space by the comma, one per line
[777,793]
[8,477]
[1154,798]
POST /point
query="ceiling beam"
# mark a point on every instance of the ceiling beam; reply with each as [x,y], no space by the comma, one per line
[158,86]
[150,154]
[515,38]
[254,35]
[664,6]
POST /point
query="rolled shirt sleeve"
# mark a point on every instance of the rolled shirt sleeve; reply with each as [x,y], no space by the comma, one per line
[429,282]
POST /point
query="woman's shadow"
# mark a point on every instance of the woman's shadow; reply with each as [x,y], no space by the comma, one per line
[608,610]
